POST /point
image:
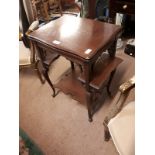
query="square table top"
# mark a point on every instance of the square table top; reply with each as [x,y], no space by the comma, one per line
[78,36]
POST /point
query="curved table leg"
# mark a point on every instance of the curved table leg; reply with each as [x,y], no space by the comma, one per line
[39,73]
[45,73]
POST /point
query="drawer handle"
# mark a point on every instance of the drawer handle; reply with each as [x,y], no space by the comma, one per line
[125,6]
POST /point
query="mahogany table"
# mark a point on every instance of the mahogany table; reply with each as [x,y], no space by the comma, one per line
[82,41]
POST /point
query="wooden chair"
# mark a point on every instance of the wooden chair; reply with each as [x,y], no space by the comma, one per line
[120,121]
[121,96]
[28,53]
[46,59]
[43,9]
[121,117]
[27,56]
[70,4]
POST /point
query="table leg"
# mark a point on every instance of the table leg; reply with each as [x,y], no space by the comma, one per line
[109,82]
[72,65]
[81,68]
[38,72]
[45,69]
[87,73]
[89,106]
[112,49]
[45,73]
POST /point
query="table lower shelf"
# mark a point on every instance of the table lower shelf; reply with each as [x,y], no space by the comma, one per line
[103,69]
[70,85]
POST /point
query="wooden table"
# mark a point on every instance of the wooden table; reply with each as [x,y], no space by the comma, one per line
[82,41]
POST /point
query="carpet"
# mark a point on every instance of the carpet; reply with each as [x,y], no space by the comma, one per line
[60,126]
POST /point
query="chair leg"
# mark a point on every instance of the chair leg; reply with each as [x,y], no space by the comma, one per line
[106,132]
[39,73]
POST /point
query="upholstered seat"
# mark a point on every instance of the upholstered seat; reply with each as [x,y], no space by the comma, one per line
[28,53]
[24,54]
[122,130]
[27,56]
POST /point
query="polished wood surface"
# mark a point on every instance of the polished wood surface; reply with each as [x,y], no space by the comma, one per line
[102,70]
[73,83]
[81,41]
[76,35]
[70,85]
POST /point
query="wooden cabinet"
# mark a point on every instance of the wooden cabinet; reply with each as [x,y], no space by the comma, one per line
[121,6]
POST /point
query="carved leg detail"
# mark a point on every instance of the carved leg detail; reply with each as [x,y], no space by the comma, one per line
[45,72]
[39,73]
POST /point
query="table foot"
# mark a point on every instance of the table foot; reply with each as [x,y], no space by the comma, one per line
[90,119]
[55,94]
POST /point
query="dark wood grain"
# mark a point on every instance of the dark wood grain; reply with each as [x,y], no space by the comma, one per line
[69,84]
[101,71]
[81,41]
[76,35]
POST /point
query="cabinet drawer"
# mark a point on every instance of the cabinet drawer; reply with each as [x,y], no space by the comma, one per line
[122,7]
